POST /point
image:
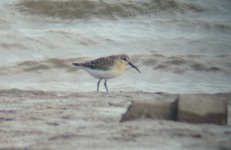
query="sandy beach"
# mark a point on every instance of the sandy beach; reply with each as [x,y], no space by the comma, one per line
[181,47]
[66,120]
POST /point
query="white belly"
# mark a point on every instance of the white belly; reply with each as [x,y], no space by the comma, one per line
[108,74]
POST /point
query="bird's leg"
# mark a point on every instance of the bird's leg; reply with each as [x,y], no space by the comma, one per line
[105,84]
[98,84]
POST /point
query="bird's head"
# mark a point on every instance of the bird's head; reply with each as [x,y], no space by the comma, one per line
[126,59]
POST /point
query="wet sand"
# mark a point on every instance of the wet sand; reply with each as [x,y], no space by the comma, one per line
[72,120]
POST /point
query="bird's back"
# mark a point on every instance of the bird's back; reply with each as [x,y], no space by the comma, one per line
[103,63]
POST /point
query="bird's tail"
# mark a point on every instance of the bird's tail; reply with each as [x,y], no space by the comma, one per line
[77,64]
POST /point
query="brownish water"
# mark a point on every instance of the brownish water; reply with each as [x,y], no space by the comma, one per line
[180,46]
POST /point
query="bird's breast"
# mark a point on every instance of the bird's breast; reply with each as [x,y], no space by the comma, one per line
[120,67]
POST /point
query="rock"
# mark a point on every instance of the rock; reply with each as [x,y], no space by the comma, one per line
[202,108]
[161,109]
[192,108]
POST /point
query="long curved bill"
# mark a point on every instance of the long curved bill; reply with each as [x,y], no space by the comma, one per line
[133,66]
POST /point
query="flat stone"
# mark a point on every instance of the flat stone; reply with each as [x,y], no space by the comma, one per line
[163,107]
[202,108]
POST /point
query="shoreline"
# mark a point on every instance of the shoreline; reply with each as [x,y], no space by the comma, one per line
[72,120]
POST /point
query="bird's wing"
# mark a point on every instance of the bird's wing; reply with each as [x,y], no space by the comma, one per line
[103,63]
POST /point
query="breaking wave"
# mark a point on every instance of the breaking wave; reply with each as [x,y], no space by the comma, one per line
[176,64]
[181,64]
[108,9]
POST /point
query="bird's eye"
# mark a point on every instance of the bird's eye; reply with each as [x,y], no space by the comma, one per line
[124,58]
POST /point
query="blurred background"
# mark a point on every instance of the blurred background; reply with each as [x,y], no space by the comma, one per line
[179,46]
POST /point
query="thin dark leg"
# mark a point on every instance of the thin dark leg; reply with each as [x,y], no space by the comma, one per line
[105,84]
[98,84]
